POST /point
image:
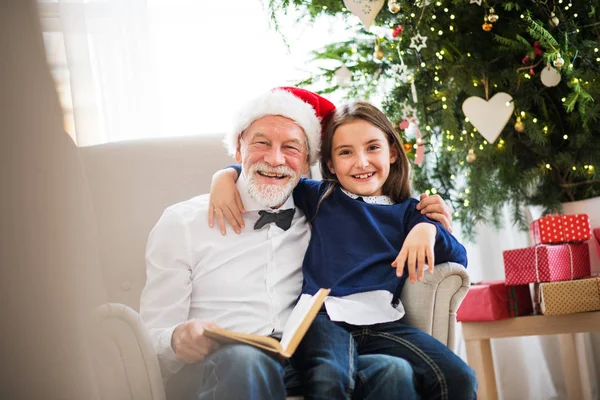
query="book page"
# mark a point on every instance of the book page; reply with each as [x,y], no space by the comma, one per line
[306,305]
[226,336]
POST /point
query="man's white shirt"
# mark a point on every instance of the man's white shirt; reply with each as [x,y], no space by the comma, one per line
[246,283]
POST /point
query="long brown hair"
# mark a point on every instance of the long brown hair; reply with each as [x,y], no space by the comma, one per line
[397,185]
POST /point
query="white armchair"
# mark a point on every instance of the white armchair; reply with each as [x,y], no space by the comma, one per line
[131,183]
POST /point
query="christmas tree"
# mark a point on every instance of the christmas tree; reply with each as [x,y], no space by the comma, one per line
[529,133]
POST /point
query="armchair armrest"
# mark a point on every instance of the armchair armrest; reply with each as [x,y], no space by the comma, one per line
[431,305]
[125,361]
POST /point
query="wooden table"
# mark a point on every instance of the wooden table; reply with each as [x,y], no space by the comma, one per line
[477,337]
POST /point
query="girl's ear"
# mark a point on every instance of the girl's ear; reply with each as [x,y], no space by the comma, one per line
[393,154]
[330,166]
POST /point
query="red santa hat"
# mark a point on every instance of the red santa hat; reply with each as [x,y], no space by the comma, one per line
[306,108]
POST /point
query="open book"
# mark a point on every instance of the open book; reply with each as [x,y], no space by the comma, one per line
[300,319]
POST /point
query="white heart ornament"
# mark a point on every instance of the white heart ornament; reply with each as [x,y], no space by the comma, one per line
[489,117]
[365,10]
[550,77]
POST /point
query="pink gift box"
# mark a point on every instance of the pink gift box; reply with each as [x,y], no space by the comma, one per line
[546,263]
[561,229]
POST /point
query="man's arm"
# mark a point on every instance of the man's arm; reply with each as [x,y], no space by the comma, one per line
[165,301]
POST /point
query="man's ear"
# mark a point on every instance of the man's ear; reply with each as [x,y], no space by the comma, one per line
[306,168]
[238,153]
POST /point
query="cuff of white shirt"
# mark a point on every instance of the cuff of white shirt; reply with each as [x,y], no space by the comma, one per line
[169,364]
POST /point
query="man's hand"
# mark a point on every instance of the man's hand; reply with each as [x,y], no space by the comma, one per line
[436,209]
[417,247]
[190,344]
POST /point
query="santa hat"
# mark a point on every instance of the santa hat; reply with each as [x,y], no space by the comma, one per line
[306,108]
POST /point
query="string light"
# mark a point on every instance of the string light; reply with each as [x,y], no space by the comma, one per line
[467,191]
[534,120]
[523,114]
[433,190]
[548,166]
[565,137]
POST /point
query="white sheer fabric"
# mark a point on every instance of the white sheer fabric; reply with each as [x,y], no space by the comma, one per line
[526,367]
[155,68]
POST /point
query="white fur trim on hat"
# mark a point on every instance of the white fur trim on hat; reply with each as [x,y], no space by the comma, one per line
[278,102]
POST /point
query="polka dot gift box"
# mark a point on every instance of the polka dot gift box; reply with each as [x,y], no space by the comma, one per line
[561,229]
[546,263]
[569,297]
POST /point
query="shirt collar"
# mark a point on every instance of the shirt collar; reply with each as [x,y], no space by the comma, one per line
[252,205]
[385,200]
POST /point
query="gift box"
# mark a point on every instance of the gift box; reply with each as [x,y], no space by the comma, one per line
[546,263]
[568,297]
[596,240]
[491,301]
[561,229]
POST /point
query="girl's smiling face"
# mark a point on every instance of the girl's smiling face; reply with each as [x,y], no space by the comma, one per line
[361,157]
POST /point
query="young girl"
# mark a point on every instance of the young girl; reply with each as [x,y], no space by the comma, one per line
[361,214]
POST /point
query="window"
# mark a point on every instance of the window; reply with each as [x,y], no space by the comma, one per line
[130,69]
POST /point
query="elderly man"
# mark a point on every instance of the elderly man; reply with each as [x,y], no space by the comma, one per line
[247,282]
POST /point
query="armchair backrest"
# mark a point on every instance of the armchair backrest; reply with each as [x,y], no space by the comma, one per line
[131,184]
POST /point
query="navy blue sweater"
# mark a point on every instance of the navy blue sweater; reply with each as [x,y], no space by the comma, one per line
[353,243]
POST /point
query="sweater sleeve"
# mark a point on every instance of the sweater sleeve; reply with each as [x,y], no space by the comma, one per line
[447,247]
[307,194]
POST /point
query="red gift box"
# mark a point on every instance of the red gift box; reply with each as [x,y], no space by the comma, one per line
[561,229]
[546,263]
[491,301]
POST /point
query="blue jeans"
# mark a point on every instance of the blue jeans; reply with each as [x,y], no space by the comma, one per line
[330,350]
[243,372]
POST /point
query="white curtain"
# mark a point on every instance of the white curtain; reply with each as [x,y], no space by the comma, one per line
[152,68]
[526,367]
[108,46]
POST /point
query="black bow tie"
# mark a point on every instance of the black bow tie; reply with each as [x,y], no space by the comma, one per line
[282,219]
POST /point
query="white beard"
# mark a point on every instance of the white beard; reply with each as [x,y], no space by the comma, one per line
[271,195]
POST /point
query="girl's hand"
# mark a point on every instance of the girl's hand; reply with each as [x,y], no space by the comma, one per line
[436,209]
[417,247]
[225,201]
